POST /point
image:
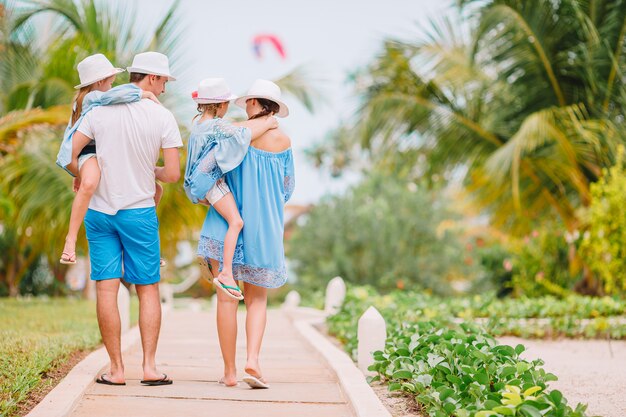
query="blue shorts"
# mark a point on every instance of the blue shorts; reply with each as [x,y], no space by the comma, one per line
[130,239]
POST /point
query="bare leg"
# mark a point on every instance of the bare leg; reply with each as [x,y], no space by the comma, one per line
[110,327]
[256,318]
[90,177]
[227,208]
[149,327]
[227,332]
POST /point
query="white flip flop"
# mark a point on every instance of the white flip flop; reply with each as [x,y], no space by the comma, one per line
[224,288]
[255,382]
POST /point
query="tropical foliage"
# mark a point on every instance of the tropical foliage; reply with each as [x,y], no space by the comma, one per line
[522,101]
[385,232]
[603,243]
[37,75]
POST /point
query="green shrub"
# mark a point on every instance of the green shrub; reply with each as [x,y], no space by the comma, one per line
[458,369]
[604,243]
[542,265]
[464,372]
[385,232]
[497,270]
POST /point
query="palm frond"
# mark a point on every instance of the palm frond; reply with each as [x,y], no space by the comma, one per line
[298,83]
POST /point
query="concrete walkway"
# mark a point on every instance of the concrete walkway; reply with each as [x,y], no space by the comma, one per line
[301,382]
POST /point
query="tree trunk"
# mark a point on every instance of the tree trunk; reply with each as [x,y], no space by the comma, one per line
[589,285]
[11,279]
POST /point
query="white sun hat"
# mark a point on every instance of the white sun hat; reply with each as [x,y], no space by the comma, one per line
[213,90]
[267,90]
[153,63]
[95,68]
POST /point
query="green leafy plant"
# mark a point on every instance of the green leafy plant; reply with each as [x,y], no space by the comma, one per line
[455,367]
[542,265]
[603,243]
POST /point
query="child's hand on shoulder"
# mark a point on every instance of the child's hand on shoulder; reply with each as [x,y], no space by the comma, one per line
[273,122]
[150,96]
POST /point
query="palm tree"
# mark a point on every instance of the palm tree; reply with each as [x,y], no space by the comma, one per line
[525,98]
[528,100]
[36,89]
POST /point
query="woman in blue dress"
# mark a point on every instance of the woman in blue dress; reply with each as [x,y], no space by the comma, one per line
[261,185]
[216,147]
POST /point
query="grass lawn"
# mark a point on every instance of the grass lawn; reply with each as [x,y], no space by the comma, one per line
[38,336]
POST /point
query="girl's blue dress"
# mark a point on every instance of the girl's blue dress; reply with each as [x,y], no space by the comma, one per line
[125,93]
[261,185]
[215,148]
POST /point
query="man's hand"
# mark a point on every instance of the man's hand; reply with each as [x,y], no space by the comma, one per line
[171,171]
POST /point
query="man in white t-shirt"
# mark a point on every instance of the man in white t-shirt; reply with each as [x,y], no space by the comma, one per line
[121,223]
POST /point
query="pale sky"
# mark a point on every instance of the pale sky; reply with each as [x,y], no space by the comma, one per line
[331,38]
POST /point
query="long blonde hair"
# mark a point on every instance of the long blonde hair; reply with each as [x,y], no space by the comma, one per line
[80,97]
[78,101]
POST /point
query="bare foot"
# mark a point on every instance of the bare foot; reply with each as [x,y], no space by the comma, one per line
[152,374]
[228,381]
[114,377]
[254,369]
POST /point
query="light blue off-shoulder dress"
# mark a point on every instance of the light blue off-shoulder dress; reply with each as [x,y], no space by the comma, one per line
[125,93]
[261,185]
[215,148]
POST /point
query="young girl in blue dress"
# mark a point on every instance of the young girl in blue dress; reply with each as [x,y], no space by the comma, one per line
[215,148]
[261,185]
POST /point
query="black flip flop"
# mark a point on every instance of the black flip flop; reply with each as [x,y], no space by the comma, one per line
[156,382]
[102,380]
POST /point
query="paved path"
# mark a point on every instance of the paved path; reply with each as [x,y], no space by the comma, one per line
[589,371]
[301,383]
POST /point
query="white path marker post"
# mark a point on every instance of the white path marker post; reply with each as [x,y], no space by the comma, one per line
[335,294]
[292,300]
[371,334]
[123,305]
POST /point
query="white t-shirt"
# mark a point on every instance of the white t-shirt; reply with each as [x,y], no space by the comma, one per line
[128,138]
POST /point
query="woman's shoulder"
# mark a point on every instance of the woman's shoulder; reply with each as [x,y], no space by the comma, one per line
[274,140]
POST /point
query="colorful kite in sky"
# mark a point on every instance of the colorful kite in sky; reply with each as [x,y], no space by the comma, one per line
[259,40]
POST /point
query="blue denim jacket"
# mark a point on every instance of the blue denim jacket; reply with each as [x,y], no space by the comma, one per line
[125,93]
